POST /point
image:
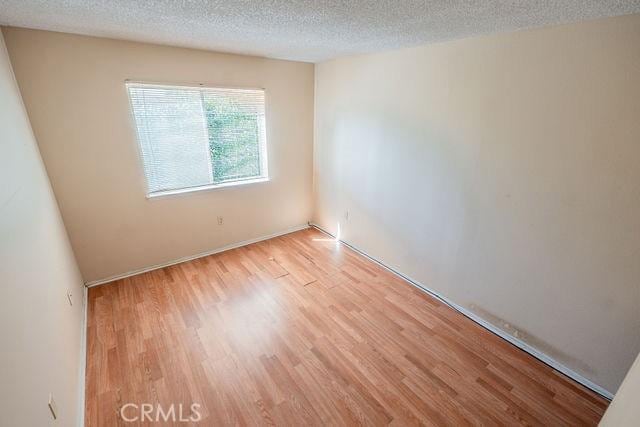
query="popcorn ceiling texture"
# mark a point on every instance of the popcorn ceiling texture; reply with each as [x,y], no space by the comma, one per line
[303,30]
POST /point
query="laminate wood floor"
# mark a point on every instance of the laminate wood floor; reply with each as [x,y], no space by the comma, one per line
[300,330]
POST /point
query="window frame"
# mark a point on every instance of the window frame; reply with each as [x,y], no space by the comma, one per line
[264,163]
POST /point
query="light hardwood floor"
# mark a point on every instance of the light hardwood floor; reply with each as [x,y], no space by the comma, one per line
[300,330]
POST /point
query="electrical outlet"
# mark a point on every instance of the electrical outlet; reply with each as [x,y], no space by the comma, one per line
[52,407]
[70,297]
[220,220]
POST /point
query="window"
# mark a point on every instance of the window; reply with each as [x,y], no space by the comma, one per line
[199,137]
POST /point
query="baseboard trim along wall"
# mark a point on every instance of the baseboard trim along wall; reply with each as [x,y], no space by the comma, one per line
[192,257]
[482,322]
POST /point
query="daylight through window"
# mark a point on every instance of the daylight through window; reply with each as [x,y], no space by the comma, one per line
[199,137]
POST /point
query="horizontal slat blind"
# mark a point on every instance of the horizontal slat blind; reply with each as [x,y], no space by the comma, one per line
[196,136]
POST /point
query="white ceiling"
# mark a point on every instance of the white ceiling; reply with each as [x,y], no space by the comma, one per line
[304,30]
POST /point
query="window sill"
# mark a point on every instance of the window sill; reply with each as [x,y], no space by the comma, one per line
[206,187]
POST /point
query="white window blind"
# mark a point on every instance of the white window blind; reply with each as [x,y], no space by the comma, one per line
[199,137]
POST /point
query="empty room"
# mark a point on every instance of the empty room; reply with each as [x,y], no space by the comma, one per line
[302,213]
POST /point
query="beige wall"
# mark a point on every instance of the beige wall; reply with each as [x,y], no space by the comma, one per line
[40,331]
[73,88]
[624,410]
[502,172]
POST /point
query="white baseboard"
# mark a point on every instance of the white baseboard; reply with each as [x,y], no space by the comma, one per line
[192,257]
[485,324]
[83,360]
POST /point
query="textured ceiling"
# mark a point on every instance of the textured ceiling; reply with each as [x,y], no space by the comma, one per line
[305,30]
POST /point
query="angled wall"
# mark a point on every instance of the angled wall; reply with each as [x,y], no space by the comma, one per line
[40,331]
[501,172]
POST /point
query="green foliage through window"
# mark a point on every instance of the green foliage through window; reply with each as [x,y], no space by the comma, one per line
[193,137]
[234,139]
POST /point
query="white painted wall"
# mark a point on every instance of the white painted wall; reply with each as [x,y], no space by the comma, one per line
[40,331]
[624,410]
[502,172]
[73,88]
